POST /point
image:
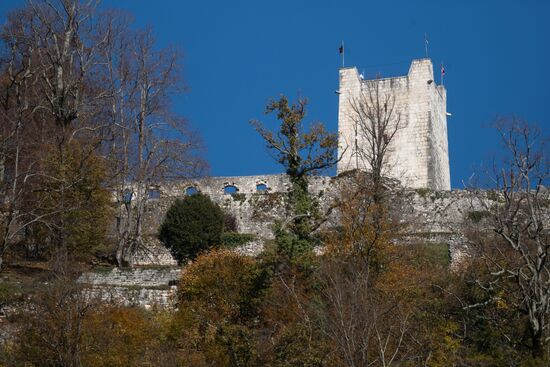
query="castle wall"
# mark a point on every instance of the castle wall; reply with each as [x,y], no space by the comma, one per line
[255,211]
[433,215]
[435,218]
[418,154]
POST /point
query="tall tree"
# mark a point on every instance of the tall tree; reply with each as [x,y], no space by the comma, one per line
[80,86]
[302,152]
[150,144]
[64,38]
[18,75]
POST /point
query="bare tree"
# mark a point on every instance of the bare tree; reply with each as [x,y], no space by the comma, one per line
[65,41]
[18,75]
[78,88]
[366,320]
[364,326]
[53,330]
[149,143]
[44,103]
[517,253]
[376,122]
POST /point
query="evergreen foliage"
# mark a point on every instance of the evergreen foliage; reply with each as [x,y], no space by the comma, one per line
[191,226]
[302,152]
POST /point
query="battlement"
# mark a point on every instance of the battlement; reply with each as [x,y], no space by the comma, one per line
[418,154]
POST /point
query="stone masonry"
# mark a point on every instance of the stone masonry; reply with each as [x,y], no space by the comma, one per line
[418,158]
[418,154]
[144,287]
[257,202]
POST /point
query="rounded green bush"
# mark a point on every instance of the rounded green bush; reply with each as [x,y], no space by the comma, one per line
[191,226]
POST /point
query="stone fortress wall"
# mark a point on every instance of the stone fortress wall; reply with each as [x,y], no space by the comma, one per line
[257,202]
[428,217]
[419,159]
[418,155]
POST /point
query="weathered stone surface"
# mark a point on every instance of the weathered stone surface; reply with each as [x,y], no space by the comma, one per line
[144,287]
[154,253]
[255,211]
[141,297]
[145,277]
[430,215]
[418,154]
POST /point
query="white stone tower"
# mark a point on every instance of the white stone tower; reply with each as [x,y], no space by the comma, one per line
[418,154]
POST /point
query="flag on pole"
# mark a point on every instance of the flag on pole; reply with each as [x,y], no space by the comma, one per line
[442,70]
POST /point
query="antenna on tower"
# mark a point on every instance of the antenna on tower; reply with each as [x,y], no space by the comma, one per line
[426,44]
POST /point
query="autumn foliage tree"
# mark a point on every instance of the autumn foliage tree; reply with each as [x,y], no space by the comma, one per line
[66,328]
[53,130]
[219,299]
[82,91]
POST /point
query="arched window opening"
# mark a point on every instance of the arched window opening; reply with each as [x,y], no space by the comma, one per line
[230,190]
[191,190]
[154,194]
[261,187]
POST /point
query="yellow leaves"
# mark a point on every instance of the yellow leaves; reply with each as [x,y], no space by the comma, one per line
[216,281]
[124,336]
[219,296]
[500,301]
[444,344]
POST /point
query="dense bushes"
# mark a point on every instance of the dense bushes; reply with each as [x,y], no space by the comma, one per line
[219,299]
[191,226]
[64,328]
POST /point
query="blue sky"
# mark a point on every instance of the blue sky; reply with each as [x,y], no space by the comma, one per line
[237,54]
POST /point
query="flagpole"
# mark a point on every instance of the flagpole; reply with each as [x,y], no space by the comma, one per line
[442,73]
[343,54]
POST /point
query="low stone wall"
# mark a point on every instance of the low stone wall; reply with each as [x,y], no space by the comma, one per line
[139,297]
[144,287]
[144,277]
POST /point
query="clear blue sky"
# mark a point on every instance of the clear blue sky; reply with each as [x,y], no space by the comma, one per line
[237,54]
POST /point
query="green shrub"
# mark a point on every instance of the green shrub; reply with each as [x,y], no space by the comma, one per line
[423,192]
[191,226]
[234,239]
[239,197]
